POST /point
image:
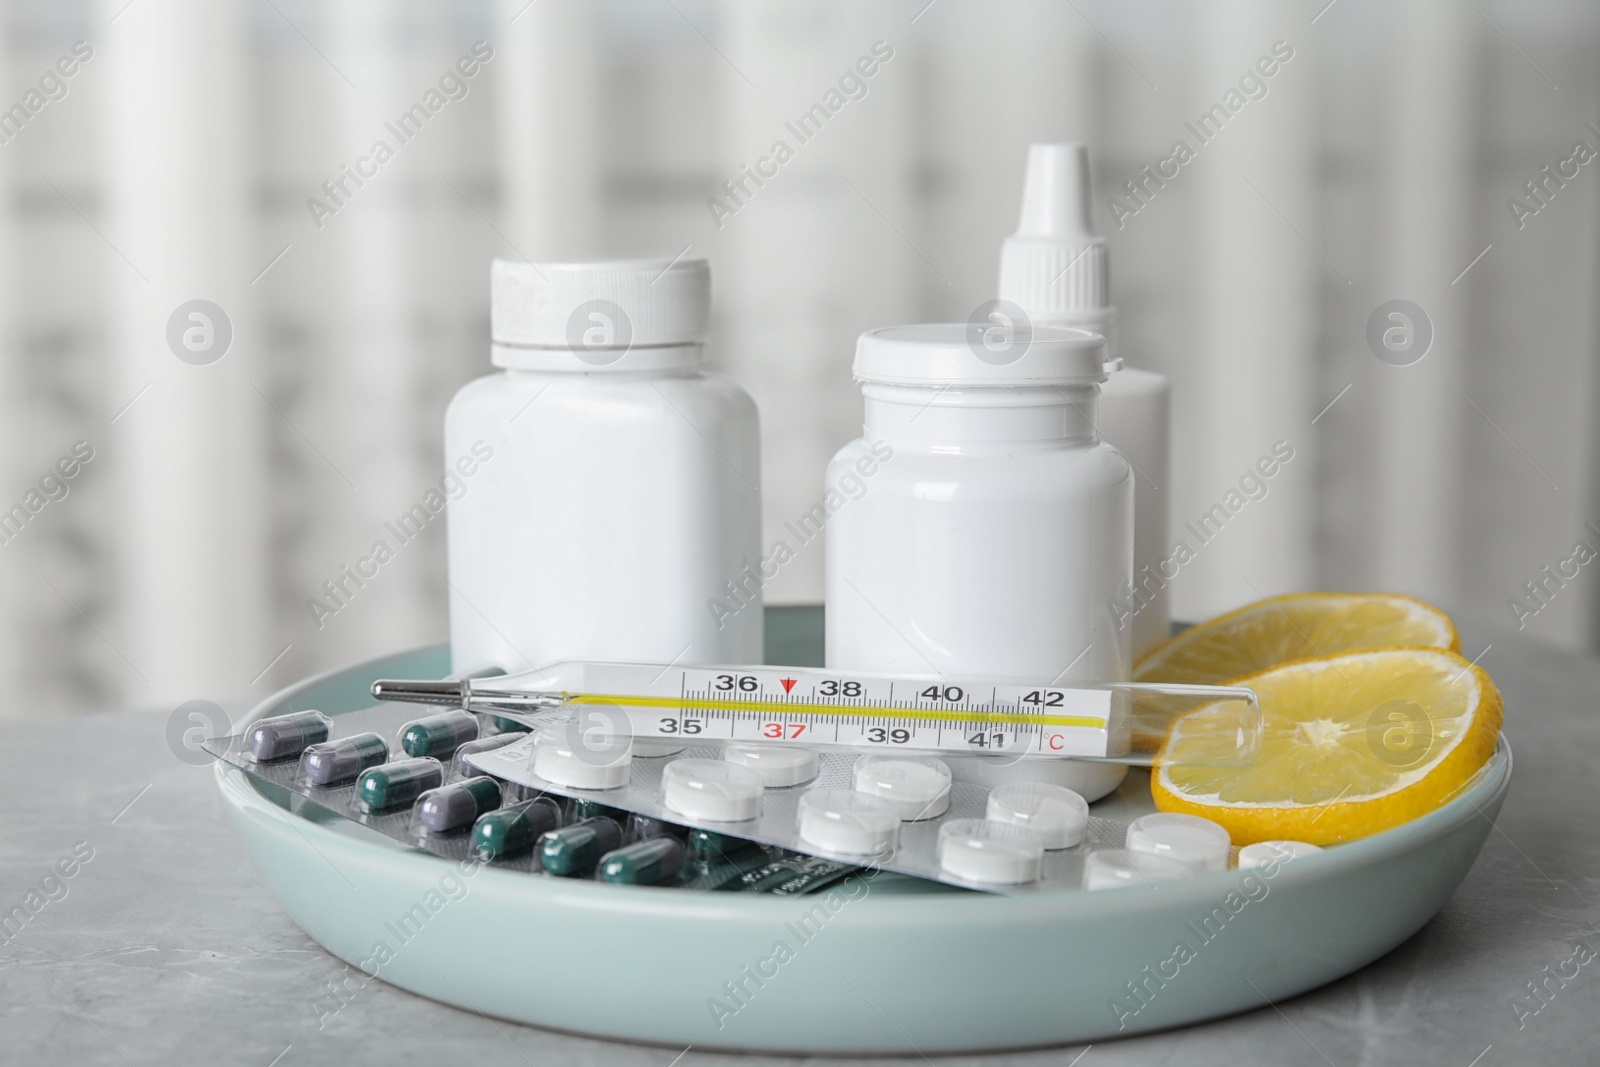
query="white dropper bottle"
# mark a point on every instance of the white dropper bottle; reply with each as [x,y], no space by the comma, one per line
[1058,271]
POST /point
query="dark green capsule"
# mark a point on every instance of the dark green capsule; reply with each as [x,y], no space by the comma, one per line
[641,827]
[711,845]
[283,736]
[451,807]
[576,848]
[339,761]
[397,784]
[438,735]
[593,809]
[513,831]
[508,726]
[643,862]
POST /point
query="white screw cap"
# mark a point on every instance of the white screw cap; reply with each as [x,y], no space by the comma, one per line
[553,305]
[980,355]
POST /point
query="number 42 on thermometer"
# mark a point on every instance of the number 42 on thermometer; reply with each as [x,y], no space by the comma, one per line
[817,707]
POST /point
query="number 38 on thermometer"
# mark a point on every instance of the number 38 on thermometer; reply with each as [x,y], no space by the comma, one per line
[812,706]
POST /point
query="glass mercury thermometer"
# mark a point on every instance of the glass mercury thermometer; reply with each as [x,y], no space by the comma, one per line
[1118,722]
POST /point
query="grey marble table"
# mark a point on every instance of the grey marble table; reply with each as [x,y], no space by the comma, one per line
[165,947]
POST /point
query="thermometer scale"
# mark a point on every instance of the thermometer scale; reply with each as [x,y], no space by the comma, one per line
[1122,722]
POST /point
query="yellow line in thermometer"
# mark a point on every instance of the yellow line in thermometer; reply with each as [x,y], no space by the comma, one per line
[780,707]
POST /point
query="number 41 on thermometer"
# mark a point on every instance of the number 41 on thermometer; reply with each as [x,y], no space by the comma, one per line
[820,707]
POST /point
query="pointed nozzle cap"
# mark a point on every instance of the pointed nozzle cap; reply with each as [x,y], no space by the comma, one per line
[1055,195]
[1055,267]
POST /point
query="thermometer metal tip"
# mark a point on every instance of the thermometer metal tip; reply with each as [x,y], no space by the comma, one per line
[453,694]
[465,693]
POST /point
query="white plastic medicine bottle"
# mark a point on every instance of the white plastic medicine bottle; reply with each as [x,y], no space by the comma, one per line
[997,529]
[616,484]
[1058,271]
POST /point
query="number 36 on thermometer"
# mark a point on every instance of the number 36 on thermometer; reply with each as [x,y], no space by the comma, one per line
[785,704]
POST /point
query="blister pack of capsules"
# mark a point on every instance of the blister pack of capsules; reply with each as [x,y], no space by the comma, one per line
[412,780]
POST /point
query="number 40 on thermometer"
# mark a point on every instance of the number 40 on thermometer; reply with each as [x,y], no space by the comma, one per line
[799,706]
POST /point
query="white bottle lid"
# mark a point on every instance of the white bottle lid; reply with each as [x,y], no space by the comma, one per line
[778,765]
[543,314]
[984,353]
[1055,267]
[990,853]
[1189,839]
[1264,852]
[918,788]
[710,789]
[1059,816]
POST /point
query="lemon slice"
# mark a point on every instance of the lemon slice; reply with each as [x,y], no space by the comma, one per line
[1295,627]
[1350,745]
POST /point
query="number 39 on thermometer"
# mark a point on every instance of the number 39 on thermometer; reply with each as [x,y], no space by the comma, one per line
[791,705]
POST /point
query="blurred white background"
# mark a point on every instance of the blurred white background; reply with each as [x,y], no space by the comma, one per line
[177,161]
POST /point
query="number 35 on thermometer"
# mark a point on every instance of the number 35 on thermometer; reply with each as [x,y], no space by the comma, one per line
[799,706]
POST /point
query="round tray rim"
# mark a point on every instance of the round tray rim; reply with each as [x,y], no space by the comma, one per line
[891,914]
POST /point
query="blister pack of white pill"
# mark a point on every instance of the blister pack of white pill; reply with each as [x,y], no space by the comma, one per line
[901,812]
[568,801]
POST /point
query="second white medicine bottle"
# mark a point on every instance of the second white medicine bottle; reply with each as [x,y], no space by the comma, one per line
[1057,270]
[996,529]
[615,484]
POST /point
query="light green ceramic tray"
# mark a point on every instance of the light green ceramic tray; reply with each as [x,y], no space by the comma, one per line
[902,966]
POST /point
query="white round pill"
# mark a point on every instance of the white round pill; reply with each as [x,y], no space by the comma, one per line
[655,747]
[1189,839]
[1115,869]
[919,788]
[569,756]
[1264,852]
[1057,814]
[778,765]
[712,789]
[990,853]
[845,823]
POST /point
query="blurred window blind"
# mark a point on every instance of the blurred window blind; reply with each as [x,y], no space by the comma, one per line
[186,156]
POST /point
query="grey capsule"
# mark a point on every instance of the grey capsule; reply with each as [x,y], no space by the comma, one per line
[287,735]
[335,762]
[453,807]
[459,763]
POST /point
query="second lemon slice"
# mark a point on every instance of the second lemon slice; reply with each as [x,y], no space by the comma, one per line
[1288,628]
